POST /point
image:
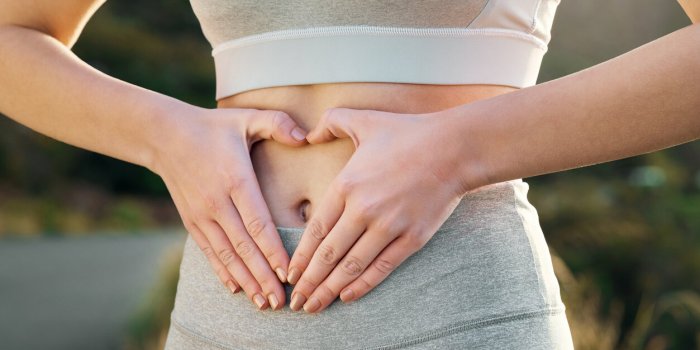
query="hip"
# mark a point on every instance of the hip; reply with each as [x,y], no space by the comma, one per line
[485,276]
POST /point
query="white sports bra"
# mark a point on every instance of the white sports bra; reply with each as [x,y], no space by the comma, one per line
[264,43]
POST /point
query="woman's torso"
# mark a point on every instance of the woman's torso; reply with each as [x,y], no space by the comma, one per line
[293,180]
[483,281]
[305,56]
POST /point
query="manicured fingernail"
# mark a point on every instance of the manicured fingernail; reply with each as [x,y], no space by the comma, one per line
[259,300]
[281,274]
[294,275]
[273,301]
[298,134]
[347,295]
[232,286]
[298,300]
[312,305]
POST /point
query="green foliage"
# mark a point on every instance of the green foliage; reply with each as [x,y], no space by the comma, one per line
[157,45]
[149,325]
[631,231]
[626,234]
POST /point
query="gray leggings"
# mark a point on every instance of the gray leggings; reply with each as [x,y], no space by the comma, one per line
[484,280]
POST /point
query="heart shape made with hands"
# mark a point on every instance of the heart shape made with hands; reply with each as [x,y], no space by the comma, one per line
[364,228]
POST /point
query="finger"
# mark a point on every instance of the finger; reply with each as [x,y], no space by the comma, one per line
[276,125]
[183,207]
[257,256]
[362,253]
[337,123]
[253,212]
[385,263]
[341,238]
[219,268]
[315,231]
[224,250]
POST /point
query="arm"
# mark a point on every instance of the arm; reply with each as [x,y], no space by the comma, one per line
[642,101]
[691,8]
[203,155]
[50,90]
[639,102]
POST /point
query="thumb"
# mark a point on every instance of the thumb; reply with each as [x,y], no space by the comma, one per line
[338,123]
[276,125]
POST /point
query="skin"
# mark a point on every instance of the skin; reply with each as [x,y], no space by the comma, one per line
[691,8]
[201,154]
[288,176]
[218,196]
[221,166]
[639,102]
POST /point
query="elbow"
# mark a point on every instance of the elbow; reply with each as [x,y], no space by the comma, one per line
[11,30]
[62,21]
[10,33]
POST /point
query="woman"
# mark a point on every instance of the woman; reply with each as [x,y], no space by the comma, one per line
[448,253]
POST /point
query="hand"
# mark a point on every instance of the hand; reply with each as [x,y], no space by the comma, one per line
[391,197]
[205,164]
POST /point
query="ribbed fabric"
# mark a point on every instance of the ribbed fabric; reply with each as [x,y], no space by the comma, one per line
[484,280]
[258,44]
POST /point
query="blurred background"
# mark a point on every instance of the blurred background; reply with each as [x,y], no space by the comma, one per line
[89,246]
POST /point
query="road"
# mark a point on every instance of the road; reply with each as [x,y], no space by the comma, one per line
[76,293]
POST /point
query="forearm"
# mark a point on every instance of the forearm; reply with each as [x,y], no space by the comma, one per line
[50,90]
[642,101]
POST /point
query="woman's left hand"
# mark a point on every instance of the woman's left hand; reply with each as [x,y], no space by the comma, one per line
[395,192]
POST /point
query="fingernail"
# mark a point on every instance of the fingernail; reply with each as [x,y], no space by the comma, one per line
[312,305]
[273,301]
[281,274]
[232,286]
[347,295]
[298,134]
[298,300]
[259,300]
[294,275]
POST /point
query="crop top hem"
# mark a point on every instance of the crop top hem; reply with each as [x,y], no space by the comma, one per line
[445,56]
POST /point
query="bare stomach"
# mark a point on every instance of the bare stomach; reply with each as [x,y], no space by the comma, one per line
[293,180]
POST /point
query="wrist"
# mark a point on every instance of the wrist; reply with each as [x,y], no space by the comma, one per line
[461,129]
[166,119]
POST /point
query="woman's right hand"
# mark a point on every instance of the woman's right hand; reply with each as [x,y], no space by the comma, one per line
[203,157]
[201,154]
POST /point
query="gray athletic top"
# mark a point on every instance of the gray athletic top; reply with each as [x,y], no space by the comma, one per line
[264,43]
